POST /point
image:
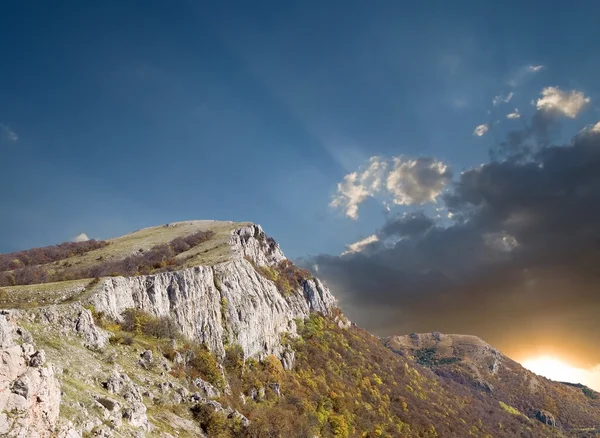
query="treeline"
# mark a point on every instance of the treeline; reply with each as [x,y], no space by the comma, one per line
[158,259]
[47,254]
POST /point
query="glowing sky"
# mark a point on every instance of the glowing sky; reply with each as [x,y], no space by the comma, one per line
[556,369]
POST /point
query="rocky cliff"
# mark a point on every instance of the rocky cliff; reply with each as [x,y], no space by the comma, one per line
[29,390]
[228,303]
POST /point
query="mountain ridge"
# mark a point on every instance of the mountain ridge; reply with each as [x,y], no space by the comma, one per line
[221,335]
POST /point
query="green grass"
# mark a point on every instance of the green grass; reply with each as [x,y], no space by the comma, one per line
[146,238]
[511,410]
[34,295]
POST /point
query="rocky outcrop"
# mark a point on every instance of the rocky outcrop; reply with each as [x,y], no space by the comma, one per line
[135,411]
[252,242]
[546,418]
[231,302]
[29,390]
[206,389]
[71,318]
[228,302]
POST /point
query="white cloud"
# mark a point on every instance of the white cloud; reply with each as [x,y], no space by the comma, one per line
[481,130]
[358,186]
[591,129]
[10,134]
[398,180]
[514,115]
[503,99]
[417,181]
[81,238]
[567,103]
[361,244]
[534,68]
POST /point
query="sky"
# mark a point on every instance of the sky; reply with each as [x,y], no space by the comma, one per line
[434,163]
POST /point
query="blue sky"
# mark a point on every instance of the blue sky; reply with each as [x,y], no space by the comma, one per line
[121,115]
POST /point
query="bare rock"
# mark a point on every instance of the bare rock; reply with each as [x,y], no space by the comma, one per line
[136,414]
[26,387]
[276,388]
[287,359]
[546,418]
[93,337]
[256,313]
[147,356]
[206,389]
[20,387]
[135,411]
[37,359]
[109,404]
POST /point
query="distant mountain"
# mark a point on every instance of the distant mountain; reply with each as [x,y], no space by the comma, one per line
[205,328]
[487,373]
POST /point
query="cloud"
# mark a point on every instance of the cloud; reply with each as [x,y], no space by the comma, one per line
[81,238]
[522,74]
[481,130]
[361,245]
[408,224]
[596,128]
[399,180]
[502,99]
[534,68]
[417,181]
[9,133]
[514,115]
[516,265]
[567,103]
[358,186]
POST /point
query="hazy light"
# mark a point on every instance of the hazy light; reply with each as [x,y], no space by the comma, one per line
[555,369]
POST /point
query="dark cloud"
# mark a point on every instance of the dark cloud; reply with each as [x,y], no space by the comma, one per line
[519,267]
[413,224]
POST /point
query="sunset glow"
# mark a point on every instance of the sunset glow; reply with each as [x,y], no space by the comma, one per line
[556,369]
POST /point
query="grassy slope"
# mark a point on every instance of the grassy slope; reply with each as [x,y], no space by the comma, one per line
[215,250]
[81,373]
[209,252]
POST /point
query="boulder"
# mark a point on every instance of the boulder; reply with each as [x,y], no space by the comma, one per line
[206,389]
[546,418]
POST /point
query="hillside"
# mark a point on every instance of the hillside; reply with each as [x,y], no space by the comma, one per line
[488,374]
[204,328]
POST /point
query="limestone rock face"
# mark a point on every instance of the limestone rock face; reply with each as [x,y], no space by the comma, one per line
[229,301]
[232,302]
[29,390]
[253,243]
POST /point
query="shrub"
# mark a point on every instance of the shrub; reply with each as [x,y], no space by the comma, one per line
[205,365]
[47,254]
[142,323]
[286,276]
[25,270]
[234,358]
